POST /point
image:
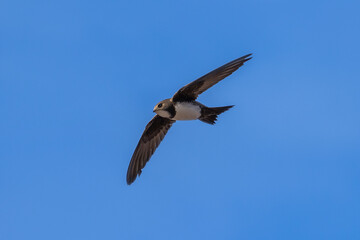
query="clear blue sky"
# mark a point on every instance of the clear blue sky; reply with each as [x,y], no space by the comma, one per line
[79,80]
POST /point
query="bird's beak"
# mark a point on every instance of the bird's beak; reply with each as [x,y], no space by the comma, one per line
[154,110]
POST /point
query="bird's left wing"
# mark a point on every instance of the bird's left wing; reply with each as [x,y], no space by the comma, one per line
[191,91]
[154,133]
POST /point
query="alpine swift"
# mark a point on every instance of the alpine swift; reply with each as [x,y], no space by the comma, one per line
[182,106]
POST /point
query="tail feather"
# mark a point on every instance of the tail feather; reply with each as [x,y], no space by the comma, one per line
[209,115]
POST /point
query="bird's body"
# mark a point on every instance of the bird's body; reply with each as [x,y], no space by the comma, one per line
[187,110]
[182,106]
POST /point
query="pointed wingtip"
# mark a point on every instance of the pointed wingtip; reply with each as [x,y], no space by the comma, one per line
[129,181]
[246,57]
[130,178]
[243,59]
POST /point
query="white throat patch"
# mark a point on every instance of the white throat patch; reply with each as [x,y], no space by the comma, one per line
[163,113]
[187,111]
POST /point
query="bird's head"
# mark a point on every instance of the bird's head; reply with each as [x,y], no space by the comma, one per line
[163,108]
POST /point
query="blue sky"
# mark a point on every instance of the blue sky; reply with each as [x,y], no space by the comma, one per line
[79,80]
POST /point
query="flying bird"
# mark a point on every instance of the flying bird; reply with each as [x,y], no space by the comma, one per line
[182,106]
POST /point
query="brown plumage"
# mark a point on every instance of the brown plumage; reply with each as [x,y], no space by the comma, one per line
[191,91]
[154,133]
[209,115]
[157,128]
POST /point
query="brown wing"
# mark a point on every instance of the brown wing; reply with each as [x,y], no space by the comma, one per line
[191,91]
[154,133]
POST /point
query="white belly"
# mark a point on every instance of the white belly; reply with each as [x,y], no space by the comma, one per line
[187,111]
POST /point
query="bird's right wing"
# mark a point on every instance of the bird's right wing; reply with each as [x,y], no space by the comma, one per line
[154,133]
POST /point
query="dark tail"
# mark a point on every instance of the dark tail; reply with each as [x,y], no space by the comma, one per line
[209,115]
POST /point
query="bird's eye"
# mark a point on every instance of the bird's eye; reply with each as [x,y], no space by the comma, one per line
[160,105]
